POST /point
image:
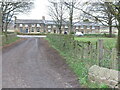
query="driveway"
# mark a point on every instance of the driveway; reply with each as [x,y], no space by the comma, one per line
[32,63]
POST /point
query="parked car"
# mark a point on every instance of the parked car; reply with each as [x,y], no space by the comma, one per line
[79,34]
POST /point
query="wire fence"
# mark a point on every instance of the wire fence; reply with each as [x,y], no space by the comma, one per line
[90,54]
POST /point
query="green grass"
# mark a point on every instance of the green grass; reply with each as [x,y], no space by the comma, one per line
[108,42]
[10,41]
[1,33]
[79,67]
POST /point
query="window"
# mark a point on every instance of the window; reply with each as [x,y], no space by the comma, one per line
[66,26]
[88,27]
[62,26]
[32,29]
[82,27]
[54,26]
[33,25]
[49,30]
[49,26]
[38,25]
[77,27]
[26,25]
[21,29]
[93,27]
[38,30]
[20,25]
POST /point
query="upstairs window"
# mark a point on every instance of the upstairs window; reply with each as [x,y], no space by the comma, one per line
[88,27]
[82,27]
[26,25]
[93,27]
[20,25]
[49,26]
[77,27]
[66,26]
[38,25]
[54,26]
[33,25]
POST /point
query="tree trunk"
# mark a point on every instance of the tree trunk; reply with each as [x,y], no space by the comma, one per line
[110,24]
[71,17]
[60,31]
[110,31]
[71,20]
[6,27]
[2,26]
[118,46]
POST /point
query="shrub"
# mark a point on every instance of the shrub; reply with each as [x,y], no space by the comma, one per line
[72,32]
[99,35]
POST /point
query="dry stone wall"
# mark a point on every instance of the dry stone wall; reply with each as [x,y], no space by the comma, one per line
[103,75]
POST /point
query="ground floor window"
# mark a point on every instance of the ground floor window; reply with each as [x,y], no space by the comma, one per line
[49,30]
[38,29]
[26,30]
[32,30]
[54,31]
[21,29]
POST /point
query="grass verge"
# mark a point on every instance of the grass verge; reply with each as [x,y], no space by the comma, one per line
[10,41]
[79,69]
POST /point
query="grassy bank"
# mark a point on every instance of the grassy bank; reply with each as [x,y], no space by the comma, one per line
[78,65]
[10,41]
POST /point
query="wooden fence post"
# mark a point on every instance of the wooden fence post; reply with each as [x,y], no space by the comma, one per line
[100,51]
[90,51]
[114,59]
[82,54]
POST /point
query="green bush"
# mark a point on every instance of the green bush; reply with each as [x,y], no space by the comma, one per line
[99,35]
[72,32]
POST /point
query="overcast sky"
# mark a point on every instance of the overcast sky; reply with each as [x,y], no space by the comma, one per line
[40,9]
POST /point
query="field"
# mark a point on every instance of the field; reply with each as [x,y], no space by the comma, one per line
[108,42]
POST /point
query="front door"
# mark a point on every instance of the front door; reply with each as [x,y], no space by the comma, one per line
[26,30]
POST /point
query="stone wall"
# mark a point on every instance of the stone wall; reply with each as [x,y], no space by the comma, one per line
[104,75]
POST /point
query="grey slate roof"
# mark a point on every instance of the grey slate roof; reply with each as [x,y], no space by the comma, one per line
[51,22]
[86,24]
[28,21]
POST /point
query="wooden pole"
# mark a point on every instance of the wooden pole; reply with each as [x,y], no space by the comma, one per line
[100,51]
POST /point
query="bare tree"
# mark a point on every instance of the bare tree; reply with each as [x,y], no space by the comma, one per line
[0,20]
[9,9]
[99,11]
[57,12]
[115,10]
[71,4]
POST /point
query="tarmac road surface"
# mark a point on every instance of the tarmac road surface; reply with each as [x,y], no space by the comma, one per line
[32,63]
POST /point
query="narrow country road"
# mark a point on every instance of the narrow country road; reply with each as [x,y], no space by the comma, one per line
[34,64]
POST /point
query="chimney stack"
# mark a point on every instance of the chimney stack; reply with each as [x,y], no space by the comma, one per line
[15,21]
[43,17]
